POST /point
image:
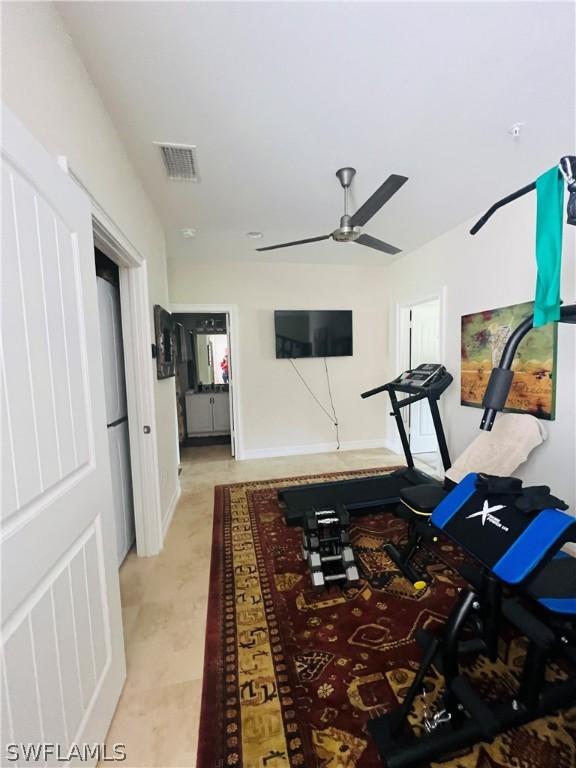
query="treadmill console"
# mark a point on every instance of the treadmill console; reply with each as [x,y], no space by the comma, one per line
[426,380]
[421,376]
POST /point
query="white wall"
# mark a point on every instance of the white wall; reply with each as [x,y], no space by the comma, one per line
[48,88]
[494,268]
[279,415]
[45,83]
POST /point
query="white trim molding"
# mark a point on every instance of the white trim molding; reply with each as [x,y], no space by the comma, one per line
[169,514]
[234,332]
[139,371]
[140,377]
[303,450]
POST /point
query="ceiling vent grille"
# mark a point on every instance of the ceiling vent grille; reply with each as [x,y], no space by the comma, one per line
[180,161]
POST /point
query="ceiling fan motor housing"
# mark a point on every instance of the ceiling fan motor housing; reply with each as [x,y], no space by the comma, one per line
[346,233]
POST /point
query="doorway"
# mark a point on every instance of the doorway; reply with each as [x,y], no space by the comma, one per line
[204,382]
[234,442]
[139,379]
[419,336]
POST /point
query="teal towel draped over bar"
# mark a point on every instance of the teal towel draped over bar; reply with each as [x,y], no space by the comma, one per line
[549,224]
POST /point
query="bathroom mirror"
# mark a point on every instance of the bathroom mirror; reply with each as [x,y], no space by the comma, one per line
[211,358]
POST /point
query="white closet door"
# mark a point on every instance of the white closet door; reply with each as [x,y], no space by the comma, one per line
[112,351]
[63,655]
[118,441]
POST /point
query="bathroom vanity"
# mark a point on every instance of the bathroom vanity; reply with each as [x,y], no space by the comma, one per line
[207,413]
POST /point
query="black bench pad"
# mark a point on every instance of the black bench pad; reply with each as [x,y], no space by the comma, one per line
[422,499]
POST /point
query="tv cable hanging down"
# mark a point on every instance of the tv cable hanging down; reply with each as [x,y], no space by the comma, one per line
[332,416]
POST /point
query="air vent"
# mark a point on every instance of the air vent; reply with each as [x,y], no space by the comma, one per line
[180,161]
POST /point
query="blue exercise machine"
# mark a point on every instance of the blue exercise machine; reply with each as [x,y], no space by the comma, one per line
[518,549]
[525,579]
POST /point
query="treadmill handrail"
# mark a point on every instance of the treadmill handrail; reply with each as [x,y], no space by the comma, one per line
[411,399]
[424,394]
[430,392]
[375,391]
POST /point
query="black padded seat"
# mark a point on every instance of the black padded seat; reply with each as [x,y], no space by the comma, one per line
[422,499]
[417,502]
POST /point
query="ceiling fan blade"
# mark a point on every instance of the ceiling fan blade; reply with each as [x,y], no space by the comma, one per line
[379,245]
[374,203]
[295,242]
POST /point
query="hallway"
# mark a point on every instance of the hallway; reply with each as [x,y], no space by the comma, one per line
[164,601]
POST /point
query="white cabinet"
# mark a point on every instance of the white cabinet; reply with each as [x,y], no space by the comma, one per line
[207,413]
[198,413]
[221,412]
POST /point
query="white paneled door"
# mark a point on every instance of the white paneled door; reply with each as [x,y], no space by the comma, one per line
[424,348]
[63,657]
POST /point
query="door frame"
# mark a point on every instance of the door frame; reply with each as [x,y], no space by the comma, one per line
[139,371]
[402,320]
[231,310]
[403,326]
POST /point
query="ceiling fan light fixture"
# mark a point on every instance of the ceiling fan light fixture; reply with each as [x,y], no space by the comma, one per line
[254,235]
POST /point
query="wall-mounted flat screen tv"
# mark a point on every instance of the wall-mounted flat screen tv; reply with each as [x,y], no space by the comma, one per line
[313,333]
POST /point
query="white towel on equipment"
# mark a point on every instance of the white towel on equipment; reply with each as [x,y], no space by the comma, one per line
[503,449]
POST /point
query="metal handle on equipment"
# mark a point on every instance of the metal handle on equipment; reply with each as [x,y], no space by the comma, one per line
[501,378]
[372,392]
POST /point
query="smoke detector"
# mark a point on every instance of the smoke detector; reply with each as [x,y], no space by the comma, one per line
[188,233]
[180,161]
[516,130]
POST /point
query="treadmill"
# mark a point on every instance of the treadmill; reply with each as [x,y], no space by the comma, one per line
[426,382]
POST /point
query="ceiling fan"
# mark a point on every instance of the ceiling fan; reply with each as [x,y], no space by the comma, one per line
[350,226]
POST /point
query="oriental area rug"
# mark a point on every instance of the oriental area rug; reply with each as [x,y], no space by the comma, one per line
[293,674]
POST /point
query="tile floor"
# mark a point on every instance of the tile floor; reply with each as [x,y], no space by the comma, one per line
[164,602]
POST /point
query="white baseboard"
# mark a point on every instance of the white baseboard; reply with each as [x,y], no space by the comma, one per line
[393,444]
[169,513]
[303,450]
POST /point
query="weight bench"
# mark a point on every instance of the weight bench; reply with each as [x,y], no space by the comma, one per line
[506,447]
[522,553]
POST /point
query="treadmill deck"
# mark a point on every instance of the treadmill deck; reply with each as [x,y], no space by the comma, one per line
[358,496]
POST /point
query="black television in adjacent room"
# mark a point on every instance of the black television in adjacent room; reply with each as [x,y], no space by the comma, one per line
[313,333]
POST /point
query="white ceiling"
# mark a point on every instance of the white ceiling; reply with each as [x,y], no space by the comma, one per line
[277,96]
